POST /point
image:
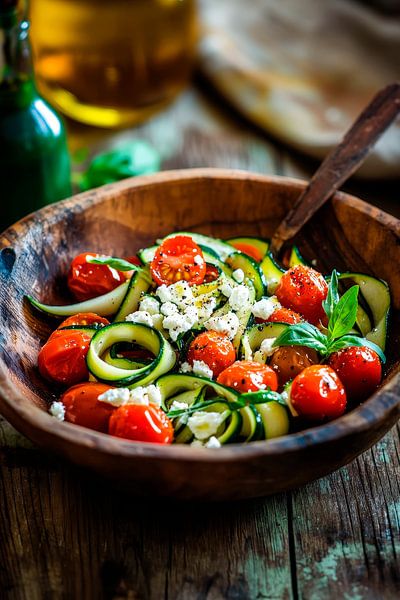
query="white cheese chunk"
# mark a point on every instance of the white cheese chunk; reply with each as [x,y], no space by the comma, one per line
[57,410]
[213,442]
[115,396]
[205,424]
[201,369]
[186,368]
[140,316]
[176,405]
[225,288]
[264,308]
[228,324]
[239,297]
[150,305]
[168,309]
[198,260]
[238,275]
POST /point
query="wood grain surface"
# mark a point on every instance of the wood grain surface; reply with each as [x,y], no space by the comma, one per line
[64,534]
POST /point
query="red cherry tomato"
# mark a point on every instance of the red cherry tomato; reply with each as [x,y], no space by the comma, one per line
[359,369]
[249,376]
[63,358]
[213,348]
[282,315]
[83,319]
[318,394]
[82,406]
[212,273]
[87,281]
[142,424]
[248,249]
[303,289]
[178,258]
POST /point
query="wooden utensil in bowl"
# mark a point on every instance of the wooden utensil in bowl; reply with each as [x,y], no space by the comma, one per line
[346,233]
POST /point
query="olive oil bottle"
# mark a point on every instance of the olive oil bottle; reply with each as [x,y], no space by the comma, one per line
[34,163]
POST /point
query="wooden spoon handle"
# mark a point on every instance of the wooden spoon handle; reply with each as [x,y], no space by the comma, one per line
[341,162]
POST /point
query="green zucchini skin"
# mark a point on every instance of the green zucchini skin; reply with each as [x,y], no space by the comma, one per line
[261,244]
[146,336]
[105,305]
[376,294]
[251,269]
[139,284]
[172,384]
[272,273]
[296,258]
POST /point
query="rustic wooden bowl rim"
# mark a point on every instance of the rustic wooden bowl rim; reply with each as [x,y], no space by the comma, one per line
[376,408]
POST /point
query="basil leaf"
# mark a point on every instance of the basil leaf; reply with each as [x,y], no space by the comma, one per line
[115,263]
[344,314]
[332,297]
[353,340]
[302,334]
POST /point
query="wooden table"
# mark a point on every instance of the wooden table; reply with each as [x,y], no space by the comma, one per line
[64,534]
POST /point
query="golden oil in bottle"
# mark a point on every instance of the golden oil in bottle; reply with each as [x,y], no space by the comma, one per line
[112,64]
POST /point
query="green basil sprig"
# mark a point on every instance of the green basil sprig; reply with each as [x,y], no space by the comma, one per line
[120,264]
[342,314]
[243,400]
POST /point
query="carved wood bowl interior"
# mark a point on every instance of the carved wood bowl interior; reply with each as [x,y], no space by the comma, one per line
[118,219]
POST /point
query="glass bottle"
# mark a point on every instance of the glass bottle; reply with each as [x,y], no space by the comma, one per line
[112,64]
[34,163]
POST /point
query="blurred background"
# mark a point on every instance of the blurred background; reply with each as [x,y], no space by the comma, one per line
[143,85]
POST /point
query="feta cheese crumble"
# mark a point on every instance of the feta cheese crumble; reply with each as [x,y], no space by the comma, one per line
[201,369]
[150,305]
[213,442]
[265,350]
[180,293]
[198,260]
[186,368]
[225,288]
[205,424]
[239,297]
[140,316]
[176,405]
[140,395]
[264,308]
[57,410]
[238,275]
[228,324]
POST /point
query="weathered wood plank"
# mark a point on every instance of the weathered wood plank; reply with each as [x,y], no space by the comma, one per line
[347,529]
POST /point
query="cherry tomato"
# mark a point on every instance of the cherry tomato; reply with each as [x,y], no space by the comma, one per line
[63,359]
[178,258]
[83,319]
[282,315]
[83,408]
[87,281]
[249,376]
[141,423]
[318,394]
[289,361]
[213,348]
[248,249]
[212,273]
[303,289]
[359,369]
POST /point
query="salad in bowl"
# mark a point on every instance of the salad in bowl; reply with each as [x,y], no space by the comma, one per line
[201,341]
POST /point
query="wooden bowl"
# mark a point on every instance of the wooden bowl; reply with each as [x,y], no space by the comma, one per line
[121,218]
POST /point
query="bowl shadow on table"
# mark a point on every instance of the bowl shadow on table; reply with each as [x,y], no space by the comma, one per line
[133,214]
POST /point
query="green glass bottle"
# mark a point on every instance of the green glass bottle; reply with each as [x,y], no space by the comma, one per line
[34,160]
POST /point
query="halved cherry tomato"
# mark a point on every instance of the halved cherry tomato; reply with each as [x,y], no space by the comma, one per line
[83,319]
[213,348]
[63,359]
[248,249]
[303,290]
[282,315]
[318,394]
[178,258]
[249,376]
[141,423]
[289,361]
[87,281]
[212,273]
[82,406]
[359,369]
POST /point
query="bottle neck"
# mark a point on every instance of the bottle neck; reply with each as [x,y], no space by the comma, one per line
[17,84]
